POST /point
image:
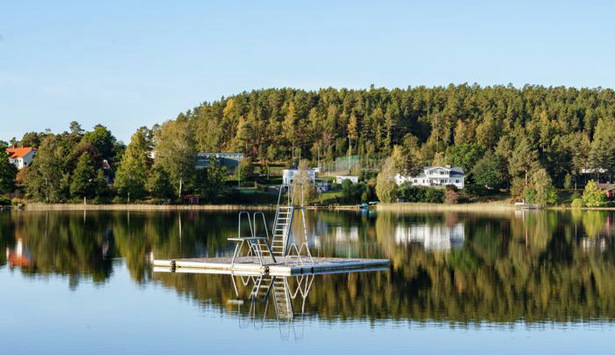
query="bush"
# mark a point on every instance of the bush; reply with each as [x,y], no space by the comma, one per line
[451,196]
[577,203]
[434,195]
[5,201]
[593,196]
[354,193]
[411,193]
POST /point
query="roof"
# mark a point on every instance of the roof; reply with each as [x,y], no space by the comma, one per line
[454,171]
[294,170]
[606,187]
[15,152]
[229,160]
[220,155]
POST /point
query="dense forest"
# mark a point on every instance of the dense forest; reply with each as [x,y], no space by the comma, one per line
[501,135]
[562,129]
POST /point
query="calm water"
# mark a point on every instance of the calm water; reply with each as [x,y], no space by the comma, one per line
[74,282]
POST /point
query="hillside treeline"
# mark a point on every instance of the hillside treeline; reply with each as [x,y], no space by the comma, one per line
[563,130]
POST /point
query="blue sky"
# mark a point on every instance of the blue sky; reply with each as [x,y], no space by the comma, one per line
[126,64]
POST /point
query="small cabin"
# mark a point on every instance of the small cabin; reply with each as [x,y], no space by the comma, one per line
[608,188]
[21,157]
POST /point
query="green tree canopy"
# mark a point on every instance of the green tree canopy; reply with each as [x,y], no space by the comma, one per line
[488,171]
[8,172]
[593,196]
[102,140]
[159,183]
[465,155]
[85,181]
[131,177]
[46,179]
[176,151]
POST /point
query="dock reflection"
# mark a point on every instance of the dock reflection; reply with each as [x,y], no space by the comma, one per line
[275,293]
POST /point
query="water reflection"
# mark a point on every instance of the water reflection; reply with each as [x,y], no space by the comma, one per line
[19,256]
[434,237]
[458,267]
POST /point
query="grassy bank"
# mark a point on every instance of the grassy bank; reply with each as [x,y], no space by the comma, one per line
[475,206]
[141,207]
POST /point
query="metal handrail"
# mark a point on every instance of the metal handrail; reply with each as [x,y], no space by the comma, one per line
[261,214]
[246,213]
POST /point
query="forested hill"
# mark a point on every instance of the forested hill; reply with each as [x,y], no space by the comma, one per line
[562,129]
[502,136]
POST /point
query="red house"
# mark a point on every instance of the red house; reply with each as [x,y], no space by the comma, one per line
[609,189]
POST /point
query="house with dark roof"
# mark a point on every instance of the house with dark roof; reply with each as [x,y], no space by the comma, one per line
[435,176]
[21,157]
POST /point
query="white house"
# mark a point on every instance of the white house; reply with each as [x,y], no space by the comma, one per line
[353,179]
[21,157]
[435,176]
[289,175]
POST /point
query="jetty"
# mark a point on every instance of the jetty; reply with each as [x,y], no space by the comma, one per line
[252,266]
[276,252]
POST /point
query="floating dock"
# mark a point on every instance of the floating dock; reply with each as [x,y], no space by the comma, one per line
[289,266]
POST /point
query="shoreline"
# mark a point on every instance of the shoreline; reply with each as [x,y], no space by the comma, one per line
[431,207]
[382,207]
[140,207]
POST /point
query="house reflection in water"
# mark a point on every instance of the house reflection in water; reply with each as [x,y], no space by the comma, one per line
[18,256]
[432,236]
[344,235]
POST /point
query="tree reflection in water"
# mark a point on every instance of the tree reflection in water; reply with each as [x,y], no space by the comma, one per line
[460,267]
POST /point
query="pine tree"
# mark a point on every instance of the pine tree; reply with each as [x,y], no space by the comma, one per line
[159,183]
[85,182]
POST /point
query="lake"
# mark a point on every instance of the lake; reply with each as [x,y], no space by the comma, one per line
[506,282]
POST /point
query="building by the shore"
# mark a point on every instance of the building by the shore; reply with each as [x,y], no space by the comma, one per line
[21,157]
[228,160]
[289,176]
[435,176]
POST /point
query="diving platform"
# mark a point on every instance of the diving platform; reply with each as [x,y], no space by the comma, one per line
[249,265]
[272,250]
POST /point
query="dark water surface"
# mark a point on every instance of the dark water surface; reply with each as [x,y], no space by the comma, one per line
[75,282]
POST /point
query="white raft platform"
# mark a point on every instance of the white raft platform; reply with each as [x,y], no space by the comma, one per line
[284,267]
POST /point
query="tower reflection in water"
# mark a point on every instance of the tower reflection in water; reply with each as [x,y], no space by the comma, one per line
[273,300]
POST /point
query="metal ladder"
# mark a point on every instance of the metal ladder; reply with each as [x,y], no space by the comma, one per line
[262,287]
[281,229]
[282,299]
